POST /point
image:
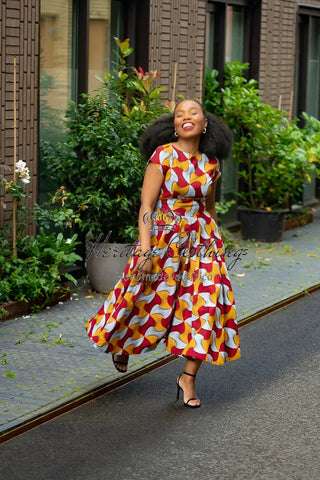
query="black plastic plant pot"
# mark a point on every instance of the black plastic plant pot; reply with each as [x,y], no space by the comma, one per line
[262,225]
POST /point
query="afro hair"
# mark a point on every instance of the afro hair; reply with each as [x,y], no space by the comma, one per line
[215,143]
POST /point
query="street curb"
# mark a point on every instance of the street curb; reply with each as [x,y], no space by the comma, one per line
[114,384]
[77,402]
[277,306]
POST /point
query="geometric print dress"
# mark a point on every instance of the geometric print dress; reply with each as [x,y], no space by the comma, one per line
[188,303]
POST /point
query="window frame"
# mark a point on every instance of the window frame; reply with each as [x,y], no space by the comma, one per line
[251,48]
[302,52]
[304,13]
[251,54]
[134,14]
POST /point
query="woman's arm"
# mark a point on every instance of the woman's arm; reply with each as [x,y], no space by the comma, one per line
[210,203]
[152,183]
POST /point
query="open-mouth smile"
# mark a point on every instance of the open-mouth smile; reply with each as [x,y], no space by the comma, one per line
[187,125]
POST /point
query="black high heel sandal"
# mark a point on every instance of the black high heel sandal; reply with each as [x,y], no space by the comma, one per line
[187,404]
[116,363]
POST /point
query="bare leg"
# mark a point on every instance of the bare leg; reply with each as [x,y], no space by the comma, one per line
[187,383]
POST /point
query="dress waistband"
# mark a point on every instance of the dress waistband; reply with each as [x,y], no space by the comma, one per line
[181,207]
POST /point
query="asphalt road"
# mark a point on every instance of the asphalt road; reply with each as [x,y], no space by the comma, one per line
[259,420]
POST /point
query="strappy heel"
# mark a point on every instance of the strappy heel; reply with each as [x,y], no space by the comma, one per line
[187,404]
[117,363]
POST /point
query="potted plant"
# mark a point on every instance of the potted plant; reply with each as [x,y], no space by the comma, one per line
[275,156]
[101,168]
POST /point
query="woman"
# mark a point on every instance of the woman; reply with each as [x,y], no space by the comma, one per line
[175,286]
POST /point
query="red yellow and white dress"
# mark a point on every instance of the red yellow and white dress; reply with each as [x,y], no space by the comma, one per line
[188,303]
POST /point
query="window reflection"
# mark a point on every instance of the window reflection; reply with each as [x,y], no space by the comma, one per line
[225,33]
[234,33]
[99,41]
[56,53]
[307,79]
[55,82]
[210,39]
[313,83]
[59,45]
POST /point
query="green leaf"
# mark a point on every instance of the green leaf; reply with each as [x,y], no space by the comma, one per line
[70,277]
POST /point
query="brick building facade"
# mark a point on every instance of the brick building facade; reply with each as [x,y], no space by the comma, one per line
[165,34]
[19,34]
[278,50]
[177,37]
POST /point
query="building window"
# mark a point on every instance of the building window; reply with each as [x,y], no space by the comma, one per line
[235,21]
[76,46]
[308,63]
[70,40]
[56,80]
[105,22]
[55,60]
[307,85]
[233,33]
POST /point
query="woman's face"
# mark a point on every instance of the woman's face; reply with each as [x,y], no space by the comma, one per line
[189,120]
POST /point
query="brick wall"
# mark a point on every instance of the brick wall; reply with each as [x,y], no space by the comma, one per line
[178,35]
[19,34]
[278,50]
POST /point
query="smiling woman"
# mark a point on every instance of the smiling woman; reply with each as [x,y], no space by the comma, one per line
[189,122]
[168,291]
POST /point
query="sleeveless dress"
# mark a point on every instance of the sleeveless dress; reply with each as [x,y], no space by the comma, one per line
[188,303]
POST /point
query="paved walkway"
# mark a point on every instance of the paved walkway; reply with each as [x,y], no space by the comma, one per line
[259,418]
[47,360]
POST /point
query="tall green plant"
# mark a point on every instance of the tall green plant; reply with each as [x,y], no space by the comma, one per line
[99,165]
[273,154]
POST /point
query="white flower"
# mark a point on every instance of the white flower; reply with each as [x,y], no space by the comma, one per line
[26,179]
[68,240]
[23,171]
[21,166]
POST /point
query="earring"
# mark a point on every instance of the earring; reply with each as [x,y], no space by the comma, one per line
[204,130]
[175,134]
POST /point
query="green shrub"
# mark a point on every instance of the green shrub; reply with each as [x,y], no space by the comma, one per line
[32,267]
[100,165]
[37,271]
[275,156]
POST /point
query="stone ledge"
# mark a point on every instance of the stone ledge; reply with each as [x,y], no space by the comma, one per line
[299,221]
[17,309]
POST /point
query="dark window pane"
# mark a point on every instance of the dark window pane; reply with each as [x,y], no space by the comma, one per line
[313,83]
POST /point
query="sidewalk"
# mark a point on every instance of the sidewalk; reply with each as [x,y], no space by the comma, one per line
[47,359]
